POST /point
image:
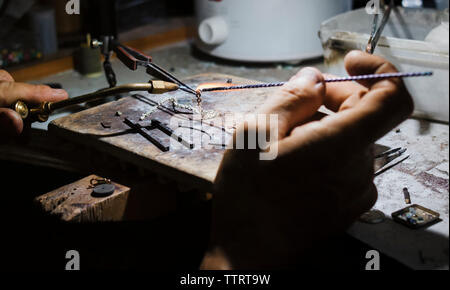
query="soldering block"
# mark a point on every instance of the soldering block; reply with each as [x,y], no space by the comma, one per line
[77,203]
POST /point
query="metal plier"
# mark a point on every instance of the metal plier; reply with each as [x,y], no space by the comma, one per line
[133,58]
[377,30]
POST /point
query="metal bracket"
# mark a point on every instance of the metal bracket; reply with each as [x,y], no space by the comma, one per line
[163,128]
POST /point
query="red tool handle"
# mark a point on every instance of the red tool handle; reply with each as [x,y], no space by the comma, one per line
[132,58]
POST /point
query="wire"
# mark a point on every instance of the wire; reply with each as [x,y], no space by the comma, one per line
[332,80]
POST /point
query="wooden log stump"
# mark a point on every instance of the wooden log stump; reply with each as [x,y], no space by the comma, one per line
[77,203]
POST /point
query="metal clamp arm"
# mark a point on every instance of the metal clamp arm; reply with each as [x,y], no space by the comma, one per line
[132,58]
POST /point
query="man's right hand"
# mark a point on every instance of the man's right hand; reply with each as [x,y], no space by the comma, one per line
[11,123]
[268,214]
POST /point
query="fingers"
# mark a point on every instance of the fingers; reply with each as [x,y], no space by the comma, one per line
[11,92]
[377,112]
[386,105]
[5,76]
[361,63]
[298,100]
[11,123]
[342,96]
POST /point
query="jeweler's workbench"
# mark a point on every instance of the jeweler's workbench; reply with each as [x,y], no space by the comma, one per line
[197,166]
[425,173]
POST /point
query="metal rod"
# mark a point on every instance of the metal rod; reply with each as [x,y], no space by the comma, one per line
[332,80]
[101,94]
[42,112]
[171,77]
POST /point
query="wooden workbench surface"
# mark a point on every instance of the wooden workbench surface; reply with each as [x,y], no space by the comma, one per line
[196,167]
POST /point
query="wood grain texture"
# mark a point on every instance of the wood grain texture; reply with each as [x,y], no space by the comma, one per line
[75,203]
[197,167]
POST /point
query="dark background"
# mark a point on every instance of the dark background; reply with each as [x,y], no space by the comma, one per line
[175,243]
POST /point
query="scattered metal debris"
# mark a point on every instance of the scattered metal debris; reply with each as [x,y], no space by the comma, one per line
[206,114]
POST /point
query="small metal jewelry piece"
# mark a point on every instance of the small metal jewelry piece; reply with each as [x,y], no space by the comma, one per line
[210,114]
[98,181]
[198,95]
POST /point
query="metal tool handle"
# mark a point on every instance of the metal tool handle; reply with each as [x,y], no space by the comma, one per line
[42,112]
[39,114]
[131,57]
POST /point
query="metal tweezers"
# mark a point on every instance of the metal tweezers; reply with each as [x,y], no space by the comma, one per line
[133,58]
[377,30]
[389,159]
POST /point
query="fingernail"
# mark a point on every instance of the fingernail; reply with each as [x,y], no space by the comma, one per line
[58,93]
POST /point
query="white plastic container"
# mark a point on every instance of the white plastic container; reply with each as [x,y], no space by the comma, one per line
[403,43]
[264,30]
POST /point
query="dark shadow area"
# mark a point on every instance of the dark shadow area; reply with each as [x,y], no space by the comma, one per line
[33,242]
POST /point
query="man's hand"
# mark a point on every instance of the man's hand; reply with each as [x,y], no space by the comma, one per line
[11,123]
[268,214]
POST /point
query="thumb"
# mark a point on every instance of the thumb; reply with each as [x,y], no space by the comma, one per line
[297,101]
[11,123]
[33,94]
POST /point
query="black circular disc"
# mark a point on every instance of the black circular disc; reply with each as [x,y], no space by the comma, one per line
[104,190]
